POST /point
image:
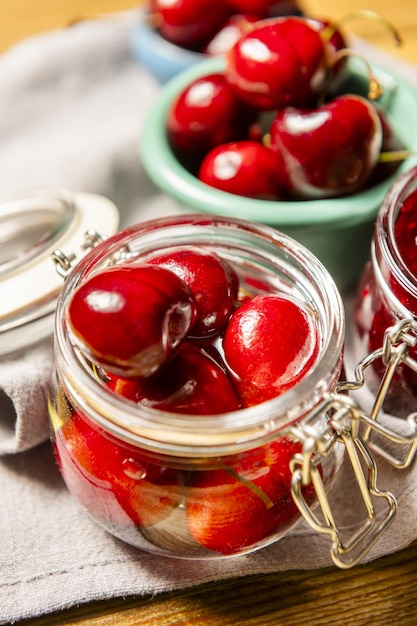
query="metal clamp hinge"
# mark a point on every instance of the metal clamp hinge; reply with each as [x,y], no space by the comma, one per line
[341,427]
[395,352]
[64,262]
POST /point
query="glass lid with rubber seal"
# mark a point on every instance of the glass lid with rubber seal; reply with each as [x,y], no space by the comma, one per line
[32,226]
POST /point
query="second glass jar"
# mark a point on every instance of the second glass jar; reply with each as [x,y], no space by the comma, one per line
[387,296]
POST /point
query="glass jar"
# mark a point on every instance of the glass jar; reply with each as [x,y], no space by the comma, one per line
[218,485]
[386,303]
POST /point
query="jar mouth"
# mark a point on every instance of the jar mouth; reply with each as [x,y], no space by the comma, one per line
[387,259]
[209,435]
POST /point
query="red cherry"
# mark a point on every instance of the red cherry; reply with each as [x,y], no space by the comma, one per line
[131,318]
[390,143]
[207,113]
[111,480]
[280,62]
[405,230]
[84,473]
[192,383]
[329,151]
[212,282]
[231,509]
[246,168]
[228,34]
[402,393]
[270,344]
[188,23]
[334,38]
[261,7]
[84,441]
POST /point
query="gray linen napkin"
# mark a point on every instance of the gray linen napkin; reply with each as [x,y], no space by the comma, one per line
[72,107]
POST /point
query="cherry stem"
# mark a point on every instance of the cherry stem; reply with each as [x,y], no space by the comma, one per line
[98,373]
[244,24]
[266,140]
[375,90]
[395,155]
[254,488]
[331,29]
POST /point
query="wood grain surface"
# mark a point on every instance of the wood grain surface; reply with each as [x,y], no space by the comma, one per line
[382,592]
[378,594]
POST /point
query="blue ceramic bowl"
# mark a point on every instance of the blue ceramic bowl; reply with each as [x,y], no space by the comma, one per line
[162,59]
[338,231]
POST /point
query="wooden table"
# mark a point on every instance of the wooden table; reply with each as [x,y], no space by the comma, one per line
[378,594]
[383,592]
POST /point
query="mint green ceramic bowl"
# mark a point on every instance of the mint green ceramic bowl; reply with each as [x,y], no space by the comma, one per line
[338,231]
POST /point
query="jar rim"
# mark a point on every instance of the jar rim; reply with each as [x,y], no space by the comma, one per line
[190,435]
[386,256]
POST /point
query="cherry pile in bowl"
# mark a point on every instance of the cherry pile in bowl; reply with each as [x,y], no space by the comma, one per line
[274,126]
[211,27]
[182,333]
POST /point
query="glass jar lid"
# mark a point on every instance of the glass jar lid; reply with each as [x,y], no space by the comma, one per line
[32,226]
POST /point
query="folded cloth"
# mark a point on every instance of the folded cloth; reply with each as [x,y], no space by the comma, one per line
[73,103]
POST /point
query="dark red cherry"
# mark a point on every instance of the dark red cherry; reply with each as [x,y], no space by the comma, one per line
[229,509]
[405,231]
[212,281]
[191,383]
[330,33]
[131,318]
[245,168]
[280,62]
[391,143]
[329,151]
[270,343]
[112,480]
[188,23]
[207,113]
[228,34]
[261,7]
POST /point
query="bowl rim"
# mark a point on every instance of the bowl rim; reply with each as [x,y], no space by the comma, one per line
[170,176]
[147,37]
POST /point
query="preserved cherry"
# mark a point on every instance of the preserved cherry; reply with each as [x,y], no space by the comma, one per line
[212,282]
[229,509]
[113,482]
[131,318]
[184,385]
[270,344]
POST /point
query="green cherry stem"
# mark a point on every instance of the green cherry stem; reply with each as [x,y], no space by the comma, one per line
[395,155]
[254,488]
[375,90]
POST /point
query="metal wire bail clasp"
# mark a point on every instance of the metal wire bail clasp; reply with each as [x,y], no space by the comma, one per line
[64,262]
[320,436]
[395,352]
